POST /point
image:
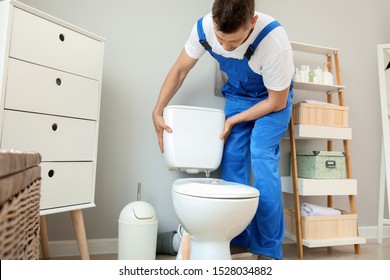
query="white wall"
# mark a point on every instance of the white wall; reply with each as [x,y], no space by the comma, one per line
[144,39]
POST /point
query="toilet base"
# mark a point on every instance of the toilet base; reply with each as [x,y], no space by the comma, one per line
[207,250]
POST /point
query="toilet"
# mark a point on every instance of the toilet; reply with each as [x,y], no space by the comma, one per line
[212,211]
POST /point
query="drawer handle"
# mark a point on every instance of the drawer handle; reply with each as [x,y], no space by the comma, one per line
[58,81]
[62,37]
[50,173]
[54,126]
[330,164]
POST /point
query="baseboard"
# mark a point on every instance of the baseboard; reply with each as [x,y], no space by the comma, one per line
[110,245]
[372,232]
[95,246]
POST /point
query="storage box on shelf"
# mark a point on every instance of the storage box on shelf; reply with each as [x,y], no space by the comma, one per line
[318,231]
[50,81]
[319,114]
[313,121]
[323,227]
[321,165]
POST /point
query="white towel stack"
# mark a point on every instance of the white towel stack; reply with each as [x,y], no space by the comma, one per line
[308,209]
[317,102]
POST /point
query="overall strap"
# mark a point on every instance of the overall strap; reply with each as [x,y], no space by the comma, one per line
[251,49]
[202,36]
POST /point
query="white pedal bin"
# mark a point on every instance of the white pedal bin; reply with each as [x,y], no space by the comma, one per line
[137,234]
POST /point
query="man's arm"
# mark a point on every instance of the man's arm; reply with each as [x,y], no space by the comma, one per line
[171,85]
[276,101]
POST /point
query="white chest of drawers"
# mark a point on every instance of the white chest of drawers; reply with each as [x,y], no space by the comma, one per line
[50,82]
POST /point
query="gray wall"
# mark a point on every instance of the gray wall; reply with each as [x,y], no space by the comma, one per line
[143,41]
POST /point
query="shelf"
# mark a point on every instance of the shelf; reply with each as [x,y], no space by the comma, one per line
[317,187]
[321,187]
[317,87]
[327,242]
[321,132]
[300,47]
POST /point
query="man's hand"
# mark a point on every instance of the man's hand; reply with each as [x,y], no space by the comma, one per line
[227,129]
[160,126]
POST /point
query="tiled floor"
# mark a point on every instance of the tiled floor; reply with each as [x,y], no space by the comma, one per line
[369,251]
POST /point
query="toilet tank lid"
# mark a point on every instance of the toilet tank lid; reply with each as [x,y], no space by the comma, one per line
[213,188]
[187,107]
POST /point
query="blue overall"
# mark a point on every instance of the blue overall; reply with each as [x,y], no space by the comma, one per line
[254,144]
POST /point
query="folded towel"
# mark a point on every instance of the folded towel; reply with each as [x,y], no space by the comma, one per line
[317,102]
[308,209]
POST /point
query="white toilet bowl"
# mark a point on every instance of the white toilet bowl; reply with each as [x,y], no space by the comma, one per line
[213,212]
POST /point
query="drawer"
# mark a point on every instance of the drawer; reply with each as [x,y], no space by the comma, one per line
[55,138]
[66,183]
[40,89]
[46,43]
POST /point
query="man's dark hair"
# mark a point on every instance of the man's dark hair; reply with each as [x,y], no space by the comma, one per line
[230,15]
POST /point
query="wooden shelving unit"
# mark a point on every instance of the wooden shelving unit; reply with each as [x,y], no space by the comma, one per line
[314,187]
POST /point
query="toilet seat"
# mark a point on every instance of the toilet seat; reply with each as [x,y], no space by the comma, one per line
[213,188]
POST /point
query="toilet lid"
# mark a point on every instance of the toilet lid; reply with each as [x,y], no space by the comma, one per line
[213,188]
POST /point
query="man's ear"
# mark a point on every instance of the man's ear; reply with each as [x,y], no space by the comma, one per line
[253,22]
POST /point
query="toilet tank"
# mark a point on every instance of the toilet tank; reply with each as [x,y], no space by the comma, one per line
[194,144]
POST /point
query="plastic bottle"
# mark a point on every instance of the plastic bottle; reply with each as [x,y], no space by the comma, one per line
[311,75]
[304,74]
[327,77]
[317,78]
[296,76]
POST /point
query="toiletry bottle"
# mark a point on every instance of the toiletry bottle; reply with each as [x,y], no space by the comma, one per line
[296,76]
[327,77]
[311,75]
[317,78]
[304,74]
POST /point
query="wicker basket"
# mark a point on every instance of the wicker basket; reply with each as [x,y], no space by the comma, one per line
[317,114]
[19,206]
[323,227]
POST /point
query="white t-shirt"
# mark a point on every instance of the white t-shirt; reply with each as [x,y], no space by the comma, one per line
[272,59]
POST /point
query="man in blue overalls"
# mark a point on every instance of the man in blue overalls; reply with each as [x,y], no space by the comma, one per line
[254,52]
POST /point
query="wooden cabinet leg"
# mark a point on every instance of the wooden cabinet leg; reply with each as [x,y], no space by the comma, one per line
[357,248]
[44,238]
[297,207]
[78,225]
